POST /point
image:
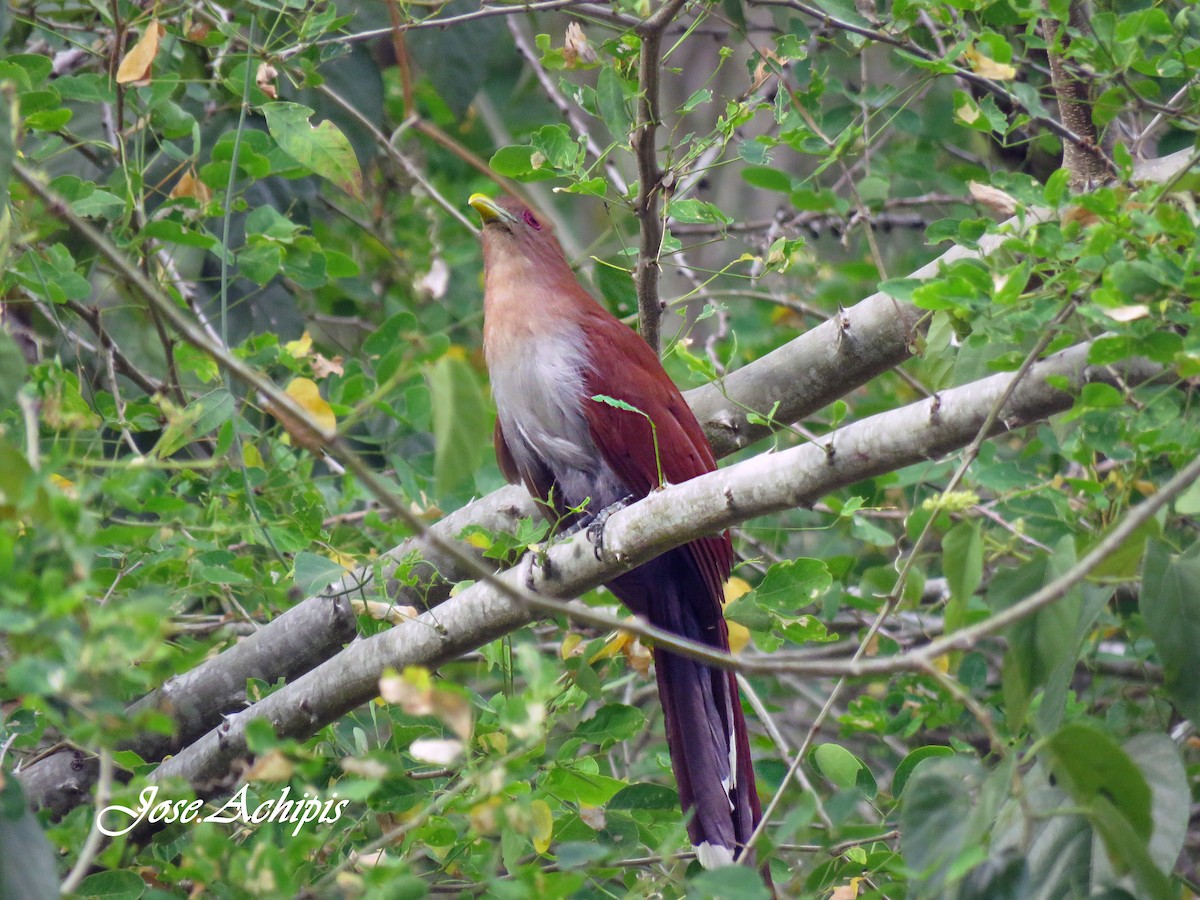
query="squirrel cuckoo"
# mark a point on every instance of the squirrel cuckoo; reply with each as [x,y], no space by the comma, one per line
[550,349]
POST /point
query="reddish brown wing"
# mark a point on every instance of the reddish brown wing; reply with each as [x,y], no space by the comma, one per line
[539,482]
[625,368]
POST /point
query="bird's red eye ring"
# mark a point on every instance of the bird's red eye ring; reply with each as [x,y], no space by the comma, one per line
[532,221]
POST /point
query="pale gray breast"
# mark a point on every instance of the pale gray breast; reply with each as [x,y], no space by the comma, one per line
[539,389]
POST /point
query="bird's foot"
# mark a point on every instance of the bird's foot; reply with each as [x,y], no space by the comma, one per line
[595,527]
[530,560]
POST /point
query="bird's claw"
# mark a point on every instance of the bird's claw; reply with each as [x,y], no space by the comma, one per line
[595,528]
[525,566]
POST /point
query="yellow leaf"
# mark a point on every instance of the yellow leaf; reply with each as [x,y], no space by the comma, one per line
[570,645]
[308,396]
[736,587]
[272,766]
[613,647]
[135,67]
[192,187]
[496,742]
[483,815]
[993,198]
[347,562]
[251,458]
[543,825]
[989,68]
[478,540]
[739,637]
[383,612]
[65,485]
[300,348]
[968,112]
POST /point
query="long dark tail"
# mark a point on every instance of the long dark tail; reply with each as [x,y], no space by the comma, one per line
[706,732]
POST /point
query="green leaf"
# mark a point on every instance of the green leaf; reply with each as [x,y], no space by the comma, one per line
[843,768]
[962,562]
[611,723]
[460,421]
[697,212]
[10,118]
[1128,852]
[575,785]
[792,584]
[1170,605]
[312,573]
[260,260]
[513,161]
[396,330]
[726,882]
[555,143]
[100,204]
[12,370]
[1101,395]
[1090,765]
[201,417]
[909,763]
[116,884]
[268,222]
[938,800]
[768,179]
[1042,648]
[52,276]
[322,149]
[615,283]
[610,98]
[27,861]
[1157,756]
[645,796]
[576,854]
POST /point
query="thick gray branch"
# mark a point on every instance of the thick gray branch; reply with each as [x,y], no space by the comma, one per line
[767,483]
[803,376]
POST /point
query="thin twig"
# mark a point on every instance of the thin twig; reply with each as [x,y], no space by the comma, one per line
[95,838]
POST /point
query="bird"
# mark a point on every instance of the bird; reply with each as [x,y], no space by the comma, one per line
[588,419]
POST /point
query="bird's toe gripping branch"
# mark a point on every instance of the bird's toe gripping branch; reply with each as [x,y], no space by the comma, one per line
[595,528]
[531,559]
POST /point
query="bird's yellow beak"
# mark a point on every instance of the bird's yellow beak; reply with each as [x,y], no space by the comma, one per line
[487,209]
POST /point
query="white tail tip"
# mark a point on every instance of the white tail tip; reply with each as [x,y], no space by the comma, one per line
[713,856]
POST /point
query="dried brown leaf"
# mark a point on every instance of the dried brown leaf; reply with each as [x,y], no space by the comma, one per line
[135,67]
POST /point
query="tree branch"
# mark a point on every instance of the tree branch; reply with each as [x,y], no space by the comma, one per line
[802,376]
[1085,162]
[649,174]
[680,513]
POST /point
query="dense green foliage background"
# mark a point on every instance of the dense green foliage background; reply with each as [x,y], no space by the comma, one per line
[292,179]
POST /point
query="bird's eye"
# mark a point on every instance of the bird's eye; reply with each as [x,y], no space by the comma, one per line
[532,221]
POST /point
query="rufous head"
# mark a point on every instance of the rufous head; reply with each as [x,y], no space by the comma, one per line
[512,229]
